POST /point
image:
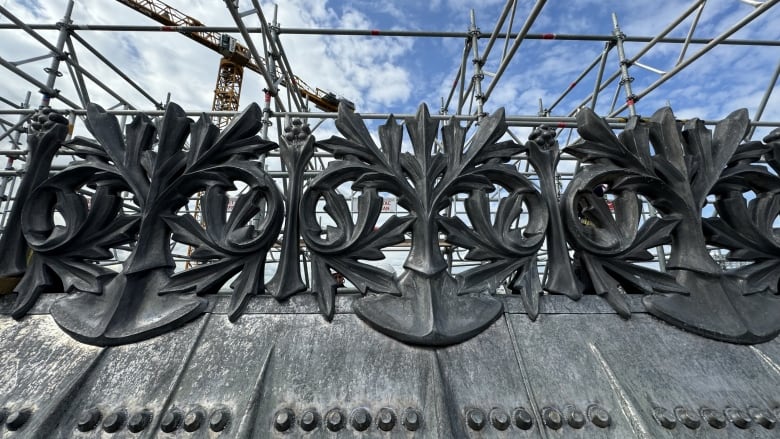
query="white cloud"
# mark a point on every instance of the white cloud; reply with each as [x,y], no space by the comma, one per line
[382,74]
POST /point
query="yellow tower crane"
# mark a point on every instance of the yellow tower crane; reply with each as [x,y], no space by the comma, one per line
[235,58]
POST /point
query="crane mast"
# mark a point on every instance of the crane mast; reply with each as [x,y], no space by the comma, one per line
[227,91]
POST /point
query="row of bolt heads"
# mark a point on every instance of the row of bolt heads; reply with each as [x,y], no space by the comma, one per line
[716,418]
[173,420]
[360,419]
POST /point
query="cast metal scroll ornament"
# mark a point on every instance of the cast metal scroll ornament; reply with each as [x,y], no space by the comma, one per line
[745,224]
[47,130]
[144,298]
[425,304]
[674,167]
[296,148]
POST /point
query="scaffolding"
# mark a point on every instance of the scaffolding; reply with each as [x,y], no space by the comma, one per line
[287,96]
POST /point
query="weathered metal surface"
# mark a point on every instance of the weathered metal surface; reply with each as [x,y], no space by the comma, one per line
[574,372]
[42,372]
[643,370]
[128,382]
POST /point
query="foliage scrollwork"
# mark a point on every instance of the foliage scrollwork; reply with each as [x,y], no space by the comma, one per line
[144,297]
[128,189]
[674,166]
[425,304]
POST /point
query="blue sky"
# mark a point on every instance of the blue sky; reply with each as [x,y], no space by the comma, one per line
[387,74]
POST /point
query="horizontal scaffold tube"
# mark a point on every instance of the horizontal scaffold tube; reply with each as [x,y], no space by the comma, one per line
[512,120]
[387,33]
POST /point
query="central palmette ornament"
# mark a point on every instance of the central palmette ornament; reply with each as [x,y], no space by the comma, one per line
[425,304]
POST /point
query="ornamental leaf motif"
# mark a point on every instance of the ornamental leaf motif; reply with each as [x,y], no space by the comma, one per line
[46,132]
[229,246]
[144,298]
[64,255]
[744,224]
[674,166]
[425,304]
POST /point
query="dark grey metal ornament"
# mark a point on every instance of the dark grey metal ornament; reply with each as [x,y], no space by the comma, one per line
[543,153]
[673,166]
[296,149]
[425,304]
[238,244]
[687,162]
[745,224]
[46,132]
[142,300]
[61,254]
